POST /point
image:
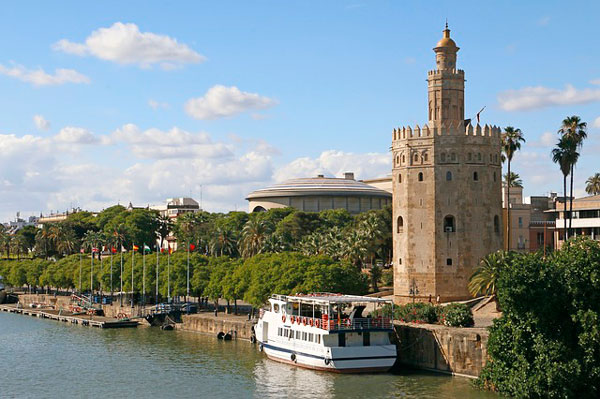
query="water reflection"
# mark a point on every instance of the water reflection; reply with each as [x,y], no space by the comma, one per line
[43,358]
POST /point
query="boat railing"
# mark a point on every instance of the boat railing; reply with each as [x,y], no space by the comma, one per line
[345,324]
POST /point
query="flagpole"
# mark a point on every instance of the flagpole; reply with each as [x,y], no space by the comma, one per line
[121,296]
[92,276]
[187,293]
[132,261]
[169,273]
[111,273]
[144,275]
[80,261]
[157,253]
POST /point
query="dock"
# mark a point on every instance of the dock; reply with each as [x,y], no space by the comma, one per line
[67,317]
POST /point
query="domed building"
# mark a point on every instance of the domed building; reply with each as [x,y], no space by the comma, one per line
[318,194]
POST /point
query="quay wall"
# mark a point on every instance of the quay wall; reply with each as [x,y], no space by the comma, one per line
[457,351]
[239,326]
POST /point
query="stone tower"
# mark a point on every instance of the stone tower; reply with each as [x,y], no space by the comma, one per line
[447,193]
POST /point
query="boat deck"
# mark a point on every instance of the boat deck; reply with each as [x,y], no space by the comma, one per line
[68,317]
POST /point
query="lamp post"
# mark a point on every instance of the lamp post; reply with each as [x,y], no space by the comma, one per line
[413,290]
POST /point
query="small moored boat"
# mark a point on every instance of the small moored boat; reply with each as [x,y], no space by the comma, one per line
[326,331]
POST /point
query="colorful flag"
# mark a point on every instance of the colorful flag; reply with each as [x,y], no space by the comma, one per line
[162,250]
[192,247]
[146,248]
[170,250]
[135,247]
[113,250]
[82,250]
[94,250]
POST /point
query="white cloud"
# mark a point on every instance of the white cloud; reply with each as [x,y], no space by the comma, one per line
[544,21]
[547,139]
[125,44]
[175,143]
[595,81]
[38,77]
[41,123]
[529,98]
[335,163]
[220,101]
[75,135]
[596,122]
[157,104]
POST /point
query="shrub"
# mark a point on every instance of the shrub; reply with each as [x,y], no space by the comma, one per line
[455,315]
[416,313]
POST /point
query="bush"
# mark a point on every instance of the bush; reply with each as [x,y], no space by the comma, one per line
[416,313]
[455,315]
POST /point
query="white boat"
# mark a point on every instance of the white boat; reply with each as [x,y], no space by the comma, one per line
[325,331]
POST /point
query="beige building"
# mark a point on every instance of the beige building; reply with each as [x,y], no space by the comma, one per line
[586,219]
[447,193]
[318,194]
[520,219]
[175,207]
[382,183]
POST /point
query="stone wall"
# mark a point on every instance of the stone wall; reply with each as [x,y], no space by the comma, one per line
[238,326]
[459,351]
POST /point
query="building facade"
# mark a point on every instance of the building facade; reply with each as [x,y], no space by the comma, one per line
[447,198]
[320,193]
[586,219]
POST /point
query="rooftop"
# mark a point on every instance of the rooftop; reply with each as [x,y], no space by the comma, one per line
[327,297]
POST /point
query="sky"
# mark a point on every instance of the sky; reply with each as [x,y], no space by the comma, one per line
[118,102]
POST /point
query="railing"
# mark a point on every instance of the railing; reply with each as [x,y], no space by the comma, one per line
[366,323]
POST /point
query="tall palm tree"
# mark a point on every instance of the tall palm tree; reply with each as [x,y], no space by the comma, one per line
[564,154]
[165,226]
[254,235]
[63,238]
[575,129]
[43,239]
[511,143]
[6,240]
[514,180]
[593,185]
[223,242]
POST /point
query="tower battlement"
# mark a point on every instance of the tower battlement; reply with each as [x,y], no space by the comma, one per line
[446,129]
[445,72]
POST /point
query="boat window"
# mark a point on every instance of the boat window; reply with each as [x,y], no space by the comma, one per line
[318,338]
[279,331]
[311,337]
[304,335]
[297,334]
[367,339]
[276,308]
[342,339]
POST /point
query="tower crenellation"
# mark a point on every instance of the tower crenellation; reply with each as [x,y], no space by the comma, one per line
[446,190]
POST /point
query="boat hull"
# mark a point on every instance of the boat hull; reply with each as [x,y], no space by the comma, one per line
[356,364]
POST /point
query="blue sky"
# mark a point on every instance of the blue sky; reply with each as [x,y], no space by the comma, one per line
[166,99]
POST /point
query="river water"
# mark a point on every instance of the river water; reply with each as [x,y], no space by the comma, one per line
[48,359]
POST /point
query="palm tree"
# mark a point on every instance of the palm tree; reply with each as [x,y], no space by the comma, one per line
[565,154]
[254,235]
[6,240]
[19,244]
[511,143]
[165,226]
[573,128]
[484,279]
[593,185]
[514,180]
[63,238]
[223,242]
[43,238]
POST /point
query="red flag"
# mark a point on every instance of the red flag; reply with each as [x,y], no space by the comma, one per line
[94,250]
[192,247]
[113,250]
[82,250]
[170,250]
[162,250]
[135,247]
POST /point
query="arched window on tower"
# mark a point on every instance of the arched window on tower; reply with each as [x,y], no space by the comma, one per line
[453,157]
[449,225]
[495,176]
[399,177]
[420,176]
[475,176]
[397,159]
[416,158]
[400,225]
[448,176]
[403,159]
[496,224]
[425,157]
[443,157]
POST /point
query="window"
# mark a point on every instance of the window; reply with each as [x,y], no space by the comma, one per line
[540,239]
[470,156]
[479,156]
[416,158]
[449,262]
[397,159]
[475,176]
[297,334]
[425,157]
[520,222]
[403,159]
[311,337]
[448,176]
[399,178]
[400,224]
[399,261]
[449,226]
[496,224]
[453,157]
[490,158]
[420,176]
[494,176]
[318,336]
[279,331]
[443,157]
[304,335]
[367,339]
[276,308]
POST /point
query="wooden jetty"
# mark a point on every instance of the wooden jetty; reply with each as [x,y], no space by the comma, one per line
[68,317]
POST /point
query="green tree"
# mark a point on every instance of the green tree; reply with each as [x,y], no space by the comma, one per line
[565,154]
[511,143]
[593,185]
[484,279]
[573,128]
[514,180]
[254,236]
